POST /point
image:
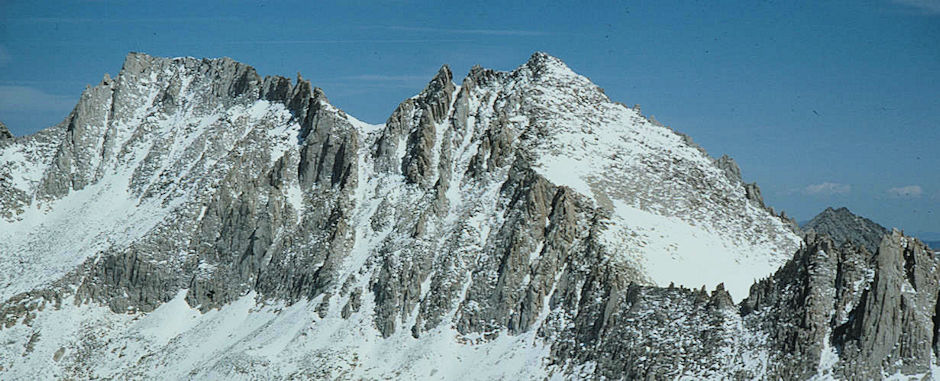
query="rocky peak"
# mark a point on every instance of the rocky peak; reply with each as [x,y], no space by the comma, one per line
[437,95]
[5,133]
[844,226]
[727,164]
[138,62]
[109,114]
[415,125]
[440,80]
[541,64]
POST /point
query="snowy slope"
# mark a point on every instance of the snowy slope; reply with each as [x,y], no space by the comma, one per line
[245,340]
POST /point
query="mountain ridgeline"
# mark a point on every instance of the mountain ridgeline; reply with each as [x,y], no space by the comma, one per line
[193,219]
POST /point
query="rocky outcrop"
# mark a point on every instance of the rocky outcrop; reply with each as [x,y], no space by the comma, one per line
[832,311]
[893,328]
[727,164]
[544,231]
[844,226]
[848,313]
[328,155]
[795,308]
[752,190]
[5,133]
[413,128]
[652,333]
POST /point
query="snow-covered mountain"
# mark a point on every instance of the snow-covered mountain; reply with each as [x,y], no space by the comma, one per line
[191,219]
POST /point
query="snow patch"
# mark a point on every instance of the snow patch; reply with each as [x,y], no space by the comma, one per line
[669,250]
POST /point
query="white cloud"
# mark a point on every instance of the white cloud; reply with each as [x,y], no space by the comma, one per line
[927,6]
[22,98]
[911,191]
[827,188]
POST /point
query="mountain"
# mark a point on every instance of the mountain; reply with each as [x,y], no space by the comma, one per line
[192,219]
[5,133]
[844,226]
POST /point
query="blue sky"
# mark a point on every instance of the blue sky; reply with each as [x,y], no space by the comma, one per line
[821,103]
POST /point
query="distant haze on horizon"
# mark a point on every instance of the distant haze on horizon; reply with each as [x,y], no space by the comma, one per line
[833,104]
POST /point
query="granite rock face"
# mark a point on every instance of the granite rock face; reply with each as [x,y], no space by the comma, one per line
[193,219]
[845,312]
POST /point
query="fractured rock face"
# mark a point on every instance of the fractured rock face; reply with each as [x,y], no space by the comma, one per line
[844,311]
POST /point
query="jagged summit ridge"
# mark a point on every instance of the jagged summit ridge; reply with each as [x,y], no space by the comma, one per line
[493,211]
[565,128]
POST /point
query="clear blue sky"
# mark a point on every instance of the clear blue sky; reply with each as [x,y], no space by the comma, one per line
[821,103]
